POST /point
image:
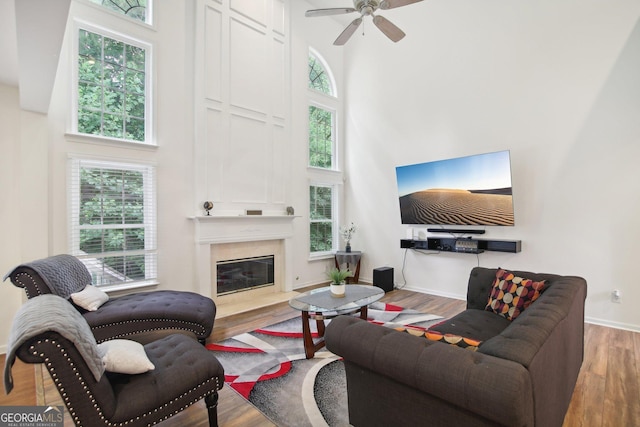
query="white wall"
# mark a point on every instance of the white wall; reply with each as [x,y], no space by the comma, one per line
[23,212]
[555,83]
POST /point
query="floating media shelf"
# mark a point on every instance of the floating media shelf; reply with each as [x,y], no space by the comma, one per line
[464,245]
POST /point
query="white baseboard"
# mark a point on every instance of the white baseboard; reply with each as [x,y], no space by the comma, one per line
[610,324]
[434,292]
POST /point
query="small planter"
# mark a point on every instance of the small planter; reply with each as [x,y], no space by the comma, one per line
[337,289]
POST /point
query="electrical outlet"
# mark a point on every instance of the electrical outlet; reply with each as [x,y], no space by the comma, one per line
[616,296]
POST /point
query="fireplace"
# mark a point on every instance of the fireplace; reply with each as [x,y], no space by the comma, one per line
[238,237]
[238,275]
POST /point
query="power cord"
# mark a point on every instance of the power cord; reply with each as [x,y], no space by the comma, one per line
[420,251]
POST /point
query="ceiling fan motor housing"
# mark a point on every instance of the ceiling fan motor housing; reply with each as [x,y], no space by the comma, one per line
[367,7]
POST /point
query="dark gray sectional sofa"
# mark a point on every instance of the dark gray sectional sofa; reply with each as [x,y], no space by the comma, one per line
[522,374]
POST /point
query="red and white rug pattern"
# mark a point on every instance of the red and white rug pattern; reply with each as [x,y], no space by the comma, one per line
[268,368]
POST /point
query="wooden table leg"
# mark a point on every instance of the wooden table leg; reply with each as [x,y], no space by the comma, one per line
[320,327]
[310,347]
[306,335]
[363,312]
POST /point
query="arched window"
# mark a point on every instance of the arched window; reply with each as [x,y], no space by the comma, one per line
[319,77]
[322,157]
[135,9]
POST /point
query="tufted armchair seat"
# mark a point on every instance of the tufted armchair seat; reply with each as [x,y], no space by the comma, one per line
[142,316]
[183,373]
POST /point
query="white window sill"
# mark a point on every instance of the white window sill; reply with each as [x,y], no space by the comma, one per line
[112,142]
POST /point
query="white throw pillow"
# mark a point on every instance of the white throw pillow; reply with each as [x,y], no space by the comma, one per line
[124,357]
[90,298]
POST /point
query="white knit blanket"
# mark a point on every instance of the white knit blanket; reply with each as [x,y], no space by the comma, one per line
[51,313]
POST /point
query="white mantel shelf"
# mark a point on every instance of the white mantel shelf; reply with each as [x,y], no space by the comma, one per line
[241,216]
[214,229]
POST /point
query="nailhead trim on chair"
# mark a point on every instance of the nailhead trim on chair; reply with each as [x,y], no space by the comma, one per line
[72,412]
[26,289]
[194,327]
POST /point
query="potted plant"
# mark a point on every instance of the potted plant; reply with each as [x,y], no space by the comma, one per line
[338,277]
[347,233]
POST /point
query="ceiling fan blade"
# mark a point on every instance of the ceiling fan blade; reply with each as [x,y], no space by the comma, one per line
[392,4]
[328,12]
[348,32]
[388,28]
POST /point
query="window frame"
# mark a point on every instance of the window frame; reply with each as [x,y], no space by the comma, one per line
[320,176]
[149,110]
[150,224]
[334,131]
[332,81]
[148,22]
[333,221]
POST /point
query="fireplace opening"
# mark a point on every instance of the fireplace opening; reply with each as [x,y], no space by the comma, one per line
[243,274]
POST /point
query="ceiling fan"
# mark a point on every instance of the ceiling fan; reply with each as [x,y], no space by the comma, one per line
[365,8]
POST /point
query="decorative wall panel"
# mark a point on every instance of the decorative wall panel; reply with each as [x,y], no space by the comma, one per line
[213,54]
[277,79]
[214,154]
[249,82]
[256,10]
[247,160]
[279,169]
[279,17]
[242,96]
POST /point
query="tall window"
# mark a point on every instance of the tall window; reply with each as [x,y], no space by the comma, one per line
[321,141]
[112,88]
[322,119]
[113,221]
[321,218]
[322,158]
[135,9]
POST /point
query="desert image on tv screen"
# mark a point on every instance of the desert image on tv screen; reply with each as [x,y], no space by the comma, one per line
[473,190]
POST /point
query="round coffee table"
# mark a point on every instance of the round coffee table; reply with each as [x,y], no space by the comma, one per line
[318,304]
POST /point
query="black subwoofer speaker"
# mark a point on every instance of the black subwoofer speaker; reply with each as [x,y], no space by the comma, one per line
[383,278]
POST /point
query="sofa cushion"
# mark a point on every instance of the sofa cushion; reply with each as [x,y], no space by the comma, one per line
[90,298]
[480,325]
[511,294]
[125,357]
[457,340]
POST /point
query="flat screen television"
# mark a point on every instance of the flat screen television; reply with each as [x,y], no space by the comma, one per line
[474,190]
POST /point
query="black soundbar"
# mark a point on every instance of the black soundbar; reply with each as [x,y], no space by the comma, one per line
[455,231]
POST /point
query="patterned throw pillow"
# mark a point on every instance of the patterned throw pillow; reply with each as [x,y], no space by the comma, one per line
[468,343]
[511,295]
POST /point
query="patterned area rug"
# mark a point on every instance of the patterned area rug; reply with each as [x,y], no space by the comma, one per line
[269,369]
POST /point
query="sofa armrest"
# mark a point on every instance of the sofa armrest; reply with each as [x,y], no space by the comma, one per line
[469,380]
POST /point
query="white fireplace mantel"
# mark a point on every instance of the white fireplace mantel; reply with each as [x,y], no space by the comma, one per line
[211,229]
[217,229]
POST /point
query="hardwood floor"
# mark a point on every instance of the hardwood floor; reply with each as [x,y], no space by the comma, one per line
[607,392]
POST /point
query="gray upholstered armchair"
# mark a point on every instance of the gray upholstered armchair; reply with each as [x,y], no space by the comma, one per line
[48,330]
[142,316]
